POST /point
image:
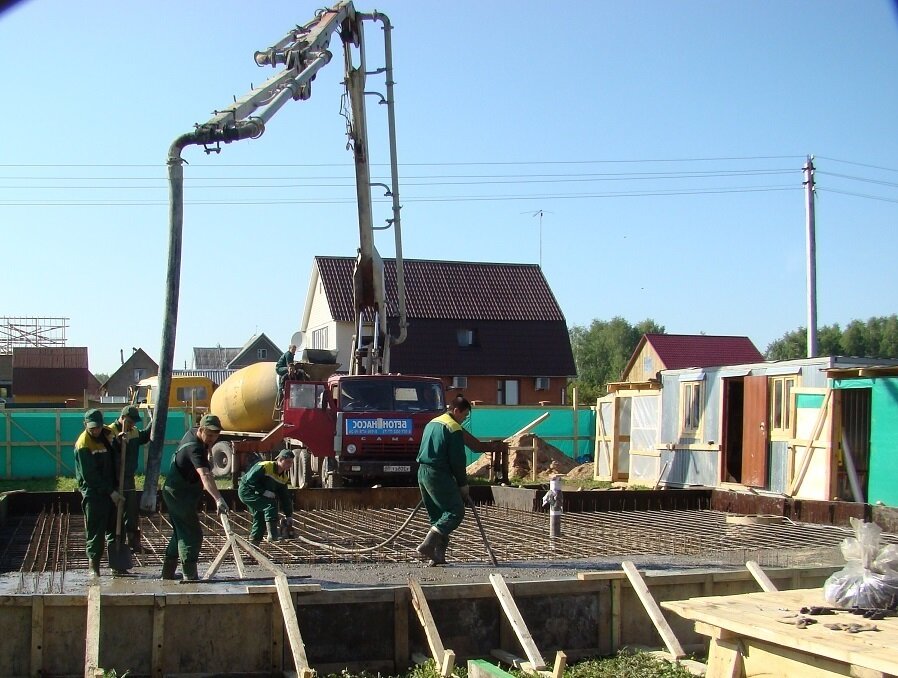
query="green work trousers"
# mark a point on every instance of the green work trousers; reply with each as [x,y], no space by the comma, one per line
[182,500]
[99,523]
[264,510]
[131,517]
[441,498]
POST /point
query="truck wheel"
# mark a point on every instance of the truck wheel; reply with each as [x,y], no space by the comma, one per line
[221,458]
[330,476]
[302,469]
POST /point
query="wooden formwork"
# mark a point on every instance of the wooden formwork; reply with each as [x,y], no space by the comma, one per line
[169,632]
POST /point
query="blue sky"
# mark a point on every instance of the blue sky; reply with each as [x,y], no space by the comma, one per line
[662,141]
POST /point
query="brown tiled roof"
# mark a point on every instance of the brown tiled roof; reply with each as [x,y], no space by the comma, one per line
[59,356]
[215,358]
[445,290]
[678,351]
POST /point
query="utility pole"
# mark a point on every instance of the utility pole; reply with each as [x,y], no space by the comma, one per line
[812,256]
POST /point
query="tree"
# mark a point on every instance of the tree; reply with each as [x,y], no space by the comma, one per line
[602,350]
[102,377]
[875,338]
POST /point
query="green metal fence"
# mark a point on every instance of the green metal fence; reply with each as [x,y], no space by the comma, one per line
[39,443]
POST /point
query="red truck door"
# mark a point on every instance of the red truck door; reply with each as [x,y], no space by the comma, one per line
[309,416]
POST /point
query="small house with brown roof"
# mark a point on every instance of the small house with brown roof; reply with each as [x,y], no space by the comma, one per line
[259,348]
[493,332]
[51,376]
[138,366]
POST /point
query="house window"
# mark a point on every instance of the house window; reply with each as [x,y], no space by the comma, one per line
[261,353]
[139,373]
[466,337]
[781,403]
[507,392]
[541,384]
[320,338]
[459,382]
[647,367]
[691,399]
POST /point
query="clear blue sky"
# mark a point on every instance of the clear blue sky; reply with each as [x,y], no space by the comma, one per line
[663,142]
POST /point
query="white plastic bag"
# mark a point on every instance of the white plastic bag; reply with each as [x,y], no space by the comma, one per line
[870,576]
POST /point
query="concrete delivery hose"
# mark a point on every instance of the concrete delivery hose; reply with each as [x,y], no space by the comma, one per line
[392,537]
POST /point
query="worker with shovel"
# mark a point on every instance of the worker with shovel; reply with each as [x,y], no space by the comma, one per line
[442,478]
[94,471]
[131,438]
[189,474]
[261,488]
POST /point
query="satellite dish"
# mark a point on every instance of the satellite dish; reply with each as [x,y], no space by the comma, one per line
[296,340]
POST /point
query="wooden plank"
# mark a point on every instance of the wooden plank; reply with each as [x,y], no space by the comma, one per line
[809,444]
[560,664]
[218,560]
[448,665]
[615,615]
[725,659]
[92,636]
[654,612]
[37,635]
[300,661]
[272,588]
[400,628]
[157,653]
[426,618]
[508,658]
[714,632]
[760,576]
[277,637]
[238,559]
[517,621]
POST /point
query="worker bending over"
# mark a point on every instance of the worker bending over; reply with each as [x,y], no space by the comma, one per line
[95,473]
[261,488]
[189,474]
[442,479]
[126,433]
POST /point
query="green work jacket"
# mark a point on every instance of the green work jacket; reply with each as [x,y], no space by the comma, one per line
[264,476]
[443,447]
[94,466]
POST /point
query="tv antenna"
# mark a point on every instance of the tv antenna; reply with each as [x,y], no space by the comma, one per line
[539,213]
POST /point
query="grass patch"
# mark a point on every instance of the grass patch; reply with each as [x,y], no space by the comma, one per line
[622,665]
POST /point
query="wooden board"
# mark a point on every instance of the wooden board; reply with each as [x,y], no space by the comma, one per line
[437,651]
[517,621]
[757,616]
[92,637]
[654,612]
[297,647]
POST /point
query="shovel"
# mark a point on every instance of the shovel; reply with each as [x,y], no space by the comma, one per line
[120,559]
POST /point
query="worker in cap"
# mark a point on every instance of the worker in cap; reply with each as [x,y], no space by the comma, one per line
[282,369]
[190,473]
[442,478]
[130,437]
[261,489]
[95,473]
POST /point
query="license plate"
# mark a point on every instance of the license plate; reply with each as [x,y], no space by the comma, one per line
[397,469]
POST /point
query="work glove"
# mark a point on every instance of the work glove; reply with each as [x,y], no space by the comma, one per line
[222,506]
[117,498]
[268,494]
[465,493]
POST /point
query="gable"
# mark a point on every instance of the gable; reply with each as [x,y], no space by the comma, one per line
[678,351]
[249,354]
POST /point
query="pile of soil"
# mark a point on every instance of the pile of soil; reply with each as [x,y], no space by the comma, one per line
[581,472]
[550,460]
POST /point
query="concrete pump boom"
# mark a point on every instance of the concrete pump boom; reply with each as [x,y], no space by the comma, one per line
[301,53]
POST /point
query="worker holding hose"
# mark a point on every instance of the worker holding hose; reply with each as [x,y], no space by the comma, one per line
[442,478]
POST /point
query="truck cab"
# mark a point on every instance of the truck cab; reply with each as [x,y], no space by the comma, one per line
[188,392]
[360,428]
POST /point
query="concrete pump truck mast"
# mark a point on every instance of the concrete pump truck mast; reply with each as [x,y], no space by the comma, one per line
[366,424]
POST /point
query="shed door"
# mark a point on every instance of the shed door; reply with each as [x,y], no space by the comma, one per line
[754,432]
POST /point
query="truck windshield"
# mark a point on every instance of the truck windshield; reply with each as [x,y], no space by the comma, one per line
[390,395]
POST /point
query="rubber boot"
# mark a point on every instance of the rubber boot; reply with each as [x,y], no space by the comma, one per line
[95,567]
[439,551]
[168,568]
[190,573]
[273,533]
[134,542]
[427,547]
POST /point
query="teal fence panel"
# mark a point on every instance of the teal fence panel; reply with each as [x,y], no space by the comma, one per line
[39,443]
[493,421]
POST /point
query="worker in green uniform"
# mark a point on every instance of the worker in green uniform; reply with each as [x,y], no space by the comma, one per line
[94,471]
[282,369]
[261,489]
[189,475]
[126,433]
[442,479]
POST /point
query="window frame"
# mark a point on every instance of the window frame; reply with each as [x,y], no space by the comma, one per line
[502,391]
[784,411]
[692,398]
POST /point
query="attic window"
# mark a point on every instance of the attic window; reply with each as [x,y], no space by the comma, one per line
[262,353]
[466,337]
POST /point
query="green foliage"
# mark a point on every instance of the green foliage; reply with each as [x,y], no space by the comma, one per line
[875,338]
[602,350]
